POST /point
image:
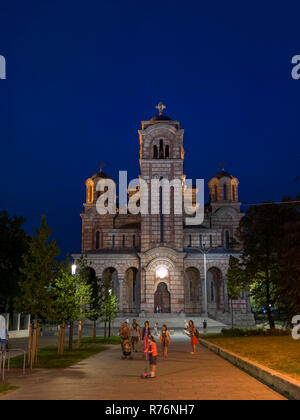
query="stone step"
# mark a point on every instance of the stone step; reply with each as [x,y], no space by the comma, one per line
[171,321]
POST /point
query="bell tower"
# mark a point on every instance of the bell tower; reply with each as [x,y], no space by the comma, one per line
[161,158]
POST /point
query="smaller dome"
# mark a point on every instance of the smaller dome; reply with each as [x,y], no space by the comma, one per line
[100,175]
[222,174]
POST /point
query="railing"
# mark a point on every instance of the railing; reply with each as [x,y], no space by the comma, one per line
[5,356]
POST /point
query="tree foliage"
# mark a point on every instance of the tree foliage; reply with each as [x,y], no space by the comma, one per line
[236,280]
[269,264]
[109,307]
[13,245]
[38,274]
[72,293]
[289,260]
[97,296]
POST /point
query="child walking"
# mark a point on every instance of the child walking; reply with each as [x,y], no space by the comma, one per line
[165,340]
[152,351]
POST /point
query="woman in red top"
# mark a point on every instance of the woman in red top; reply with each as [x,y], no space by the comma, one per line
[165,340]
[193,334]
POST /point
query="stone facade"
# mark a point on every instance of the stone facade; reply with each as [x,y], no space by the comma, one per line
[133,251]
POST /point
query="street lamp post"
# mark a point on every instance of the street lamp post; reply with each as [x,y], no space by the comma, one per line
[71,328]
[205,251]
[109,312]
[74,267]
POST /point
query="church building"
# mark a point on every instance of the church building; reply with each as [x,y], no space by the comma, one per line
[156,262]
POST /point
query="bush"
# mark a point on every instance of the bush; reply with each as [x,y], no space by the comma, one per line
[251,332]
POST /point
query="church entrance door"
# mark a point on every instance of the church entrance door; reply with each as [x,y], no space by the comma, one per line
[162,299]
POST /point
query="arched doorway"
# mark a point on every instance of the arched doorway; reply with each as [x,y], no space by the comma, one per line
[215,292]
[162,299]
[110,280]
[192,291]
[92,275]
[133,290]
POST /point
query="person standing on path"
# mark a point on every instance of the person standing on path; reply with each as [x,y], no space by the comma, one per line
[125,333]
[145,335]
[152,351]
[165,340]
[135,335]
[194,335]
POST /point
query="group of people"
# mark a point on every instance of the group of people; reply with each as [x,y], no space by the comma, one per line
[136,335]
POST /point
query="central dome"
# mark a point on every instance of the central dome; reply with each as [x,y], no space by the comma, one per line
[160,118]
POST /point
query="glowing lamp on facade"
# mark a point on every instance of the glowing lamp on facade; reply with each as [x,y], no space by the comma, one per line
[162,272]
[74,269]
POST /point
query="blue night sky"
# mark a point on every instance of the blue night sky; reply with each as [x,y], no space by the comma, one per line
[81,75]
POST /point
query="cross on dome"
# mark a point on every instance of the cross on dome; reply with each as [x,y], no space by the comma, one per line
[160,107]
[222,164]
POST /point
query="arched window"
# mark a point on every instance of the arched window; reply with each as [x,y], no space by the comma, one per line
[233,193]
[113,241]
[90,192]
[190,241]
[224,192]
[155,152]
[134,289]
[161,149]
[210,241]
[167,152]
[212,292]
[123,241]
[191,291]
[200,241]
[216,192]
[133,241]
[97,239]
[227,239]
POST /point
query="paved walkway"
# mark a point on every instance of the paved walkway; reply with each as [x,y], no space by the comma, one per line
[105,376]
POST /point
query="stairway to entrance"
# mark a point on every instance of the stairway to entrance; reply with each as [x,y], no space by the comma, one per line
[173,321]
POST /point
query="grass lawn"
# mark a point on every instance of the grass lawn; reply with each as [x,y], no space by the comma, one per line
[6,388]
[102,340]
[50,359]
[279,353]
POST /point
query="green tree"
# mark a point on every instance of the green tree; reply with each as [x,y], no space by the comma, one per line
[13,245]
[236,282]
[83,278]
[289,259]
[38,274]
[259,232]
[71,298]
[269,264]
[95,307]
[109,309]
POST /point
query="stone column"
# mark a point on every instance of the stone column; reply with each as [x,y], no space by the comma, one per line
[226,300]
[18,322]
[6,316]
[28,322]
[205,287]
[121,283]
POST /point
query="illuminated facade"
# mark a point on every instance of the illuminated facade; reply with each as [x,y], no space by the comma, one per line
[156,262]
